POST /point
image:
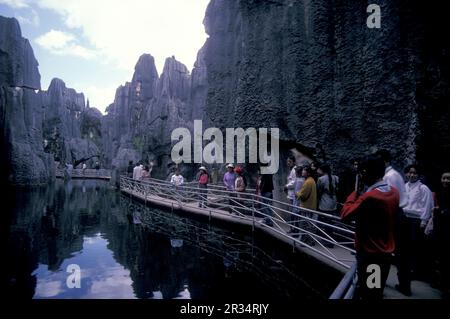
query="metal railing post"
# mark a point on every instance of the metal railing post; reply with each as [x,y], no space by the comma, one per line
[253,216]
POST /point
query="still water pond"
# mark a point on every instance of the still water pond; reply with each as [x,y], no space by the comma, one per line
[127,250]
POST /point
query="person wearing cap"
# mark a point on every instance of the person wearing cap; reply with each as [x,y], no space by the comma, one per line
[203,186]
[229,178]
[240,183]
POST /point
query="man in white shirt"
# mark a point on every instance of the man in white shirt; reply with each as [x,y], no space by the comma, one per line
[289,187]
[393,178]
[418,212]
[137,172]
[419,198]
[177,179]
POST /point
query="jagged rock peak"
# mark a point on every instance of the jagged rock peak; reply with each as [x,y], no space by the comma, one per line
[145,68]
[61,96]
[18,65]
[56,84]
[172,65]
[175,79]
[10,27]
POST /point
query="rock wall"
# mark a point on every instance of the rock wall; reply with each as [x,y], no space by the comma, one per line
[334,87]
[139,123]
[72,130]
[39,127]
[22,157]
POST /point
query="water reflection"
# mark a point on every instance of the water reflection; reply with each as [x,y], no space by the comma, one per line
[127,250]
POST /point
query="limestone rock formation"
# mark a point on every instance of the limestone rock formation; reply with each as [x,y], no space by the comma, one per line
[22,159]
[335,88]
[122,127]
[199,88]
[72,131]
[18,66]
[139,123]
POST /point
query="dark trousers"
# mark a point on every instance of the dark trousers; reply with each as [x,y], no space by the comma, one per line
[410,250]
[364,289]
[231,201]
[442,229]
[267,198]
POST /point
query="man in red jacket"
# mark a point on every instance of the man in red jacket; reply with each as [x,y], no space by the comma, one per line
[373,206]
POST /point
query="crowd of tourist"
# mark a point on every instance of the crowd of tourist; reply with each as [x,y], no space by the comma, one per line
[398,219]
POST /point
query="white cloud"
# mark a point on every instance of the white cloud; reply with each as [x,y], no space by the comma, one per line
[80,51]
[114,282]
[55,40]
[15,4]
[32,20]
[99,97]
[47,288]
[123,30]
[63,43]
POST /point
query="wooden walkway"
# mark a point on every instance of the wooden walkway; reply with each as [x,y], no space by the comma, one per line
[84,174]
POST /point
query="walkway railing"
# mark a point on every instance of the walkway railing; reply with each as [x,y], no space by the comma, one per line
[315,232]
[83,173]
[240,253]
[347,286]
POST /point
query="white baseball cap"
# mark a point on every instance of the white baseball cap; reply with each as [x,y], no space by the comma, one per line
[230,165]
[202,168]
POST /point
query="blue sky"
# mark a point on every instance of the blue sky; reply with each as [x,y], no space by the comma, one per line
[93,45]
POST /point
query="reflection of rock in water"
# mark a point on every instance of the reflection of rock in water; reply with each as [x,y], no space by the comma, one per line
[167,256]
[52,220]
[237,255]
[176,243]
[137,217]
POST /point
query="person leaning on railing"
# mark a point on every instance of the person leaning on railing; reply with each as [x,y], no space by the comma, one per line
[145,173]
[177,179]
[308,199]
[298,184]
[240,184]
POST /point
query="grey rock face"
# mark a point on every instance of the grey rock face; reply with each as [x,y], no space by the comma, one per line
[72,131]
[199,88]
[22,158]
[18,66]
[334,87]
[139,123]
[62,108]
[39,127]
